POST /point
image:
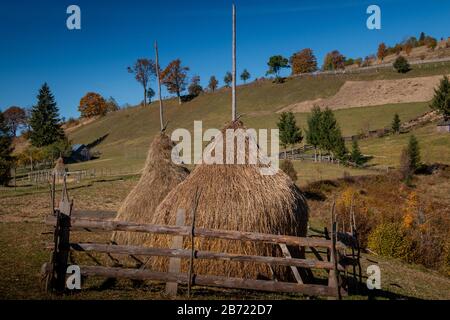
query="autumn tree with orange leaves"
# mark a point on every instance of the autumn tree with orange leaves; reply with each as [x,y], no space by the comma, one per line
[382,51]
[303,61]
[174,77]
[15,117]
[93,104]
[144,71]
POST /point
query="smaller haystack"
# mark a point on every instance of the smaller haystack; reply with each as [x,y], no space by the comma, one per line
[60,169]
[160,175]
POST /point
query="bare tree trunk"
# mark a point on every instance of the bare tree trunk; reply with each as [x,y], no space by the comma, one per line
[161,113]
[179,97]
[233,94]
[145,96]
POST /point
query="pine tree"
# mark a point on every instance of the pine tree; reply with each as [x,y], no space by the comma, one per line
[44,122]
[396,124]
[401,65]
[414,153]
[5,151]
[339,148]
[326,131]
[441,99]
[290,133]
[313,132]
[356,155]
[330,136]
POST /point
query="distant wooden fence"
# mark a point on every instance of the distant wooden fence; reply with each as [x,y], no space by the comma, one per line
[64,223]
[45,176]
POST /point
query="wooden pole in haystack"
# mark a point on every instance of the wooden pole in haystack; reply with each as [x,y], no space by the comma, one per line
[161,115]
[233,99]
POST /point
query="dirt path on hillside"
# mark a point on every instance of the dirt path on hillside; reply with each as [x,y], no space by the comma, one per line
[355,94]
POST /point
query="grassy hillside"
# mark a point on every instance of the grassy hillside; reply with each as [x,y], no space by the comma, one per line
[128,132]
[434,146]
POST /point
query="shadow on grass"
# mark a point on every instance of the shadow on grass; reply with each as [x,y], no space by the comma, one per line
[356,288]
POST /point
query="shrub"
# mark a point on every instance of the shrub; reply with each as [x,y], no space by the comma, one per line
[401,65]
[391,240]
[288,167]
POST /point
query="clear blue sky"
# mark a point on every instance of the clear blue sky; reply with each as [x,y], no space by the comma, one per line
[36,46]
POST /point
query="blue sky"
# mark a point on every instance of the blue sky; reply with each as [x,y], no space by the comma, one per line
[36,46]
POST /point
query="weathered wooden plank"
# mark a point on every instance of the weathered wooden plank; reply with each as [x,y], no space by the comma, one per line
[175,263]
[209,280]
[186,253]
[61,251]
[199,232]
[294,269]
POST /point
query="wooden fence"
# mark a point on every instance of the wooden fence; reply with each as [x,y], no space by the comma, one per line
[64,222]
[45,176]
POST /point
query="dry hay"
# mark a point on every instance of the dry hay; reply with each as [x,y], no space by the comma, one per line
[160,175]
[60,169]
[234,197]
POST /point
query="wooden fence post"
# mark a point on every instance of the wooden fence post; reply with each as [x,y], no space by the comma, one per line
[175,263]
[61,250]
[333,276]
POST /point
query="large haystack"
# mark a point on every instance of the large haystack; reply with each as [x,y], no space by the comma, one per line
[160,175]
[234,197]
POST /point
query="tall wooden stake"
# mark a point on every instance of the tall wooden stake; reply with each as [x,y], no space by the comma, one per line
[233,103]
[161,115]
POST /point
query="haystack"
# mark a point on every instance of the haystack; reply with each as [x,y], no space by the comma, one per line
[59,170]
[234,197]
[160,175]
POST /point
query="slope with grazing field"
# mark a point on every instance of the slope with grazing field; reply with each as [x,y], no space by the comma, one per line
[128,132]
[355,94]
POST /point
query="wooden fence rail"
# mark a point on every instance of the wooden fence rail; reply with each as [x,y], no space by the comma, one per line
[185,253]
[111,225]
[66,220]
[205,280]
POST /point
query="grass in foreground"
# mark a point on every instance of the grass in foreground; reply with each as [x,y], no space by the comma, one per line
[22,245]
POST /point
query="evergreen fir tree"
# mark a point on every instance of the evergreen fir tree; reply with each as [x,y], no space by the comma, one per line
[290,133]
[5,152]
[441,99]
[44,122]
[414,153]
[396,124]
[339,148]
[327,130]
[313,131]
[356,155]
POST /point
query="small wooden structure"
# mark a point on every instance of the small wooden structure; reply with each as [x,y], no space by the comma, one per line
[443,126]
